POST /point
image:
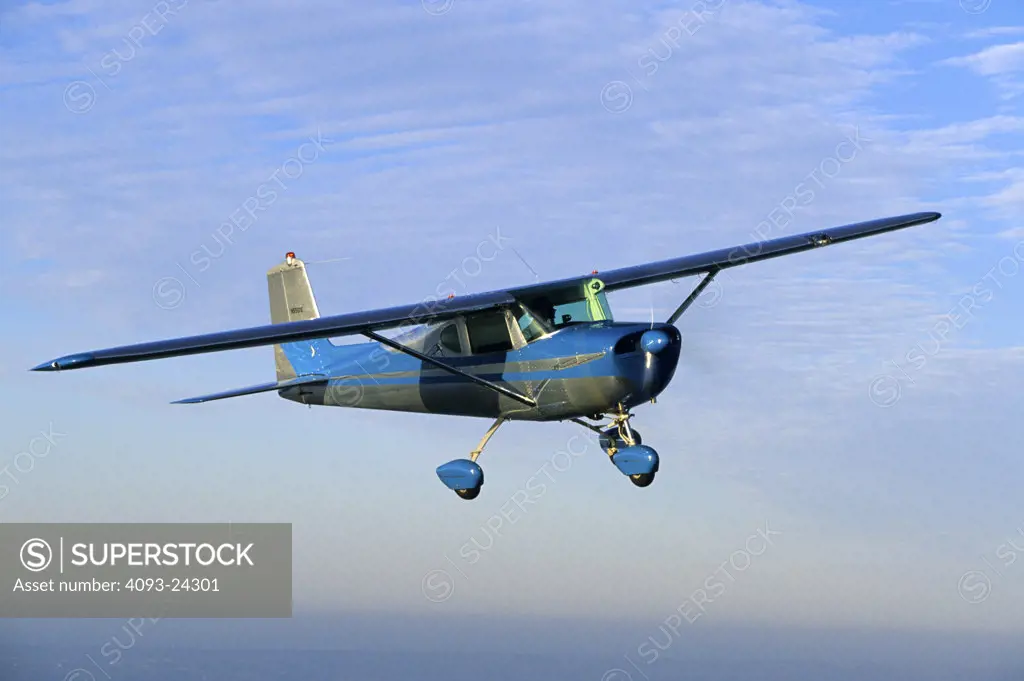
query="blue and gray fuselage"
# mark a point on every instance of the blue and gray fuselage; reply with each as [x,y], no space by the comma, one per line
[584,369]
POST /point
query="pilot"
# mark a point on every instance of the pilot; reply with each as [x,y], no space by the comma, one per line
[544,310]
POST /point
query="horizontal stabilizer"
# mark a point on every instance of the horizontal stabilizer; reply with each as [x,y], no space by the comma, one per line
[253,389]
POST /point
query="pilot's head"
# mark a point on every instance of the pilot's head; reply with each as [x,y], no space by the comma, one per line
[544,309]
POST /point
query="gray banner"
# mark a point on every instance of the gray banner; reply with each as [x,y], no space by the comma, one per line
[161,570]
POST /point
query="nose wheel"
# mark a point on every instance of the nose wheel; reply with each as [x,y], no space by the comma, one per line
[611,436]
[626,450]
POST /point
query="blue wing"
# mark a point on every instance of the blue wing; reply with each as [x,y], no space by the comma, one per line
[432,311]
[288,332]
[690,265]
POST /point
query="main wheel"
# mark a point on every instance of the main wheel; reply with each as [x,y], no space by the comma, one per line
[463,476]
[642,480]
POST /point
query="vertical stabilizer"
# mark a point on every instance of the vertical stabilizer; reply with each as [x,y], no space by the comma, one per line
[291,300]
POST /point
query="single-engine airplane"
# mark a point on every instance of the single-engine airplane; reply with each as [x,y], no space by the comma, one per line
[543,352]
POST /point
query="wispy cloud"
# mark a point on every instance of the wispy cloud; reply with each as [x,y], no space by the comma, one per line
[1002,63]
[451,118]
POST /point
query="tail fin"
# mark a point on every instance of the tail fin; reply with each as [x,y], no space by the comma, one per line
[291,300]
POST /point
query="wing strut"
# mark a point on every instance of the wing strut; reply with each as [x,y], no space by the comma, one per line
[507,392]
[693,296]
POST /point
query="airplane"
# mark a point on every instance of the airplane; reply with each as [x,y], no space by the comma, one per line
[544,352]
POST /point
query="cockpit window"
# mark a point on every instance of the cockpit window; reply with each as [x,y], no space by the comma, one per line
[411,337]
[488,332]
[450,339]
[585,302]
[531,323]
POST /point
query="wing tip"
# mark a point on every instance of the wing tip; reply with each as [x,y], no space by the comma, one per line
[67,362]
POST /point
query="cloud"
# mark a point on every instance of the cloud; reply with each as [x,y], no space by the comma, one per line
[444,127]
[995,60]
[1001,63]
[992,31]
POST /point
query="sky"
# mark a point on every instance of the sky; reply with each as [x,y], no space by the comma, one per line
[856,406]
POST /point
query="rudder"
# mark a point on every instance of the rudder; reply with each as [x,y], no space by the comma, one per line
[292,300]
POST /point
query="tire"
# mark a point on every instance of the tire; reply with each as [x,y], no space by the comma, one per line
[642,480]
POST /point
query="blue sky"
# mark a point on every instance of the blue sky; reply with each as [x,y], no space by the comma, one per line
[818,395]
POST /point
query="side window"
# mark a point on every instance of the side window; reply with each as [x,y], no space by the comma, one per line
[488,332]
[529,324]
[573,311]
[450,339]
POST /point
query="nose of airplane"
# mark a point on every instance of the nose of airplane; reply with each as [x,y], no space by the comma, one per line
[654,341]
[648,359]
[661,349]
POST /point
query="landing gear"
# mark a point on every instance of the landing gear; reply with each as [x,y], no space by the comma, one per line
[611,436]
[465,476]
[626,450]
[618,439]
[468,494]
[642,480]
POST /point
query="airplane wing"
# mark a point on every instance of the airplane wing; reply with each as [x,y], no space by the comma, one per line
[689,265]
[271,334]
[433,311]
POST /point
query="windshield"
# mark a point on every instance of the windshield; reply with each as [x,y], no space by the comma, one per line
[585,302]
[531,323]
